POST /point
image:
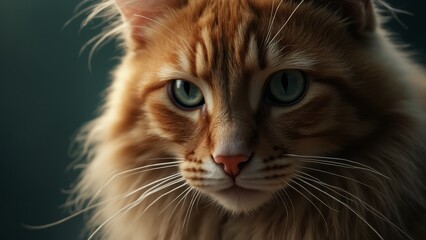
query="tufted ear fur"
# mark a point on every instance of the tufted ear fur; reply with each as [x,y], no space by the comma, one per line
[359,13]
[140,13]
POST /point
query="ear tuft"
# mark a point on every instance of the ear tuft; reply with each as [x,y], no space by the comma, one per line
[359,13]
[140,13]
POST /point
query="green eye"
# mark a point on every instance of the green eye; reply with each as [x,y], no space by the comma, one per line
[185,94]
[286,87]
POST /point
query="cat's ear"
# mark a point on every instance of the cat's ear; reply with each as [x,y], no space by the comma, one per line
[138,14]
[359,13]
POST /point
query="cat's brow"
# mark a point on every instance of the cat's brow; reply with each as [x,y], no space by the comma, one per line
[278,60]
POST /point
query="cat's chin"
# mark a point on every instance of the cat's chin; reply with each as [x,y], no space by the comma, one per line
[240,200]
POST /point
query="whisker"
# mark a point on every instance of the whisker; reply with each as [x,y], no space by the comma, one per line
[313,195]
[133,204]
[338,175]
[93,234]
[272,20]
[330,160]
[346,205]
[285,23]
[164,36]
[176,198]
[322,216]
[164,194]
[174,33]
[176,175]
[89,207]
[132,172]
[73,215]
[292,205]
[164,183]
[179,159]
[367,206]
[182,199]
[155,190]
[191,206]
[342,165]
[285,207]
[161,186]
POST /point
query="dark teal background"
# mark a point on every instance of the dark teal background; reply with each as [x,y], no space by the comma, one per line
[47,92]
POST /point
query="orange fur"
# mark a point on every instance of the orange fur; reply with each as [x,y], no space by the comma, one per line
[362,104]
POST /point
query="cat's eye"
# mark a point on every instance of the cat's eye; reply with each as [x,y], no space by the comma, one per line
[286,87]
[185,94]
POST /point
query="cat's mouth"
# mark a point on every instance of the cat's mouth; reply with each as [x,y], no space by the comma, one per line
[240,199]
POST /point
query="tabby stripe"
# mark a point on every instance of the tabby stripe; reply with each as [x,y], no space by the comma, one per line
[194,170]
[193,58]
[364,107]
[178,126]
[245,50]
[152,88]
[276,167]
[311,112]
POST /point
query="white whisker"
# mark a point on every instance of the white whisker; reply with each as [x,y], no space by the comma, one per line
[292,205]
[176,175]
[313,195]
[342,165]
[346,205]
[285,207]
[285,23]
[338,175]
[130,206]
[367,206]
[89,207]
[166,37]
[93,234]
[313,204]
[174,33]
[176,198]
[272,20]
[154,190]
[182,199]
[164,194]
[332,160]
[191,206]
[73,215]
[131,172]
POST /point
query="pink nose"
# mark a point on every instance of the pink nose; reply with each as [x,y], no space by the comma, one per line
[230,163]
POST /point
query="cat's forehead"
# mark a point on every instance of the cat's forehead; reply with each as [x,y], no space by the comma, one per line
[231,39]
[230,48]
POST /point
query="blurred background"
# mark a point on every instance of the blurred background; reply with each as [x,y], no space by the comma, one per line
[48,92]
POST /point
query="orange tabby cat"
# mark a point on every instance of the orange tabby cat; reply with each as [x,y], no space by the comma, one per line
[257,119]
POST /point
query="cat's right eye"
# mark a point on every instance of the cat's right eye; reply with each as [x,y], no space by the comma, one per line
[286,87]
[185,94]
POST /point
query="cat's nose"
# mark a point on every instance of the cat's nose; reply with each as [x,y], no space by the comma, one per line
[232,164]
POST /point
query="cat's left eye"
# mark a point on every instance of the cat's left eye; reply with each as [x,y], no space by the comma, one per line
[286,87]
[185,94]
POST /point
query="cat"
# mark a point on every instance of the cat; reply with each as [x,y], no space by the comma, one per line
[256,119]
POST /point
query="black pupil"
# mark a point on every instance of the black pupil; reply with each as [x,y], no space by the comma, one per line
[187,87]
[284,82]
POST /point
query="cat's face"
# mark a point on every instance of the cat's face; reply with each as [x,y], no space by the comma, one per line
[236,88]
